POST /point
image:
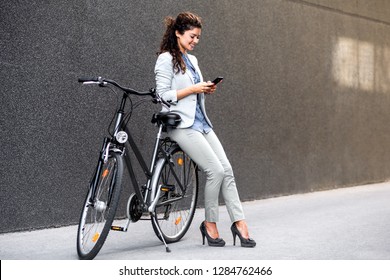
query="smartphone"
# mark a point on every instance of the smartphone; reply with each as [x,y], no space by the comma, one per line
[217,80]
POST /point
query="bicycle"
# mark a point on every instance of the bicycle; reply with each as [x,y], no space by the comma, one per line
[169,195]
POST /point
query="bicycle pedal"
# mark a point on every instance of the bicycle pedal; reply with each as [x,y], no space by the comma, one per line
[167,188]
[116,228]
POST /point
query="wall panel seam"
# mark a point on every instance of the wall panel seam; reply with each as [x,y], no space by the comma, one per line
[334,10]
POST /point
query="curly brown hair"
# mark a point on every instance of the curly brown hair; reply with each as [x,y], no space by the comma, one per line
[183,22]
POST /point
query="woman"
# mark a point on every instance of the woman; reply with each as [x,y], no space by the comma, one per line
[179,81]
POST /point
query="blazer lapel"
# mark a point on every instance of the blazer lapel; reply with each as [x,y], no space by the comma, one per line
[196,68]
[188,73]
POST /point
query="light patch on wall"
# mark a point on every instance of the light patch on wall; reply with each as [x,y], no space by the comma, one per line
[365,65]
[382,77]
[353,63]
[345,69]
[361,65]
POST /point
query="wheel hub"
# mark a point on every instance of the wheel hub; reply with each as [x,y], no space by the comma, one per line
[100,206]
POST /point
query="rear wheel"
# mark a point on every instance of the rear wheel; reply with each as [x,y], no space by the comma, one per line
[176,207]
[98,213]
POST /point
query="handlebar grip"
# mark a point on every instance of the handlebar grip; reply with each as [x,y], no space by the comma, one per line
[83,80]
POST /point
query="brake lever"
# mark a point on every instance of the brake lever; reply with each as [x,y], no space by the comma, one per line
[101,82]
[158,99]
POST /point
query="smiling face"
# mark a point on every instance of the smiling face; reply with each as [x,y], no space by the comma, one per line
[189,39]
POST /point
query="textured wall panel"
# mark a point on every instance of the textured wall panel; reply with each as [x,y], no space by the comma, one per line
[303,107]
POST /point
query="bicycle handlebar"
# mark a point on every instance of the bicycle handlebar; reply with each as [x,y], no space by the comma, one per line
[103,82]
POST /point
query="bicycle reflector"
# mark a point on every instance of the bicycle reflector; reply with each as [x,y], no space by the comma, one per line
[105,173]
[95,237]
[180,161]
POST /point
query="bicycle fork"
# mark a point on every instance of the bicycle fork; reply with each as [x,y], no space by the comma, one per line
[95,179]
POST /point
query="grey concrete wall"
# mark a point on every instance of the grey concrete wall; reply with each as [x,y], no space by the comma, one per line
[304,105]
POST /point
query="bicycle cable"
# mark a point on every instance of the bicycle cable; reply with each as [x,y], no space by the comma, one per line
[127,115]
[134,105]
[117,106]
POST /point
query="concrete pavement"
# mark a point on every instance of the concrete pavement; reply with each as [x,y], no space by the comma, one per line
[342,224]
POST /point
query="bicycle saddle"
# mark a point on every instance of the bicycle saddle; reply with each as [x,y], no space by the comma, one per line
[167,119]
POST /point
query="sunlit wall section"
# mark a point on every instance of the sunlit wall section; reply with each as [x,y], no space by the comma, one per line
[382,74]
[361,65]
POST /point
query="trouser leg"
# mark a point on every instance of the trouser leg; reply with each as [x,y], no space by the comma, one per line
[206,151]
[195,145]
[229,188]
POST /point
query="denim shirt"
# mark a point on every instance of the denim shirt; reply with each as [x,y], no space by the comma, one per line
[200,123]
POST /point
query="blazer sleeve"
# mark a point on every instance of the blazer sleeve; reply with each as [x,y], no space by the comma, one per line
[165,78]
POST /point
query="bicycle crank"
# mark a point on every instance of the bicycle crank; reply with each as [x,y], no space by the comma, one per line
[134,208]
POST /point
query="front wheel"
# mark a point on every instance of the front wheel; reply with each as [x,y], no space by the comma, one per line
[99,211]
[176,206]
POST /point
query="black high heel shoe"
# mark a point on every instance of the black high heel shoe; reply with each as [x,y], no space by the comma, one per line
[245,242]
[214,242]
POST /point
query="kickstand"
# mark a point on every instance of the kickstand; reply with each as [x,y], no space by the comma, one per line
[160,233]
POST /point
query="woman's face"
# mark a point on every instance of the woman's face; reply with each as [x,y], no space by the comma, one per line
[189,39]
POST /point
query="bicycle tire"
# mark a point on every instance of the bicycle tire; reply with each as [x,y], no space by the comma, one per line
[96,219]
[174,219]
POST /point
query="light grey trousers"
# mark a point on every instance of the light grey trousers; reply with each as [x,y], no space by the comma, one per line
[207,152]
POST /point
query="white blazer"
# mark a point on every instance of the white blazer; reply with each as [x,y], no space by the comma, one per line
[168,82]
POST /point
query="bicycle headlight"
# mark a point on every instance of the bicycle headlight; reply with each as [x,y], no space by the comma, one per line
[121,137]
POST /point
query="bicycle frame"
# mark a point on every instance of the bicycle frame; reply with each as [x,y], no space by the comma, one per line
[149,199]
[152,197]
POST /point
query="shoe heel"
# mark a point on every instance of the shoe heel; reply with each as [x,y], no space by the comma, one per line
[214,242]
[202,232]
[245,242]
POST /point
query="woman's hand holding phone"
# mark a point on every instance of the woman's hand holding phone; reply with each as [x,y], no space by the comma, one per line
[207,87]
[213,85]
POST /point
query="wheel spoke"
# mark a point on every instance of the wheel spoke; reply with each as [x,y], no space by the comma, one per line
[97,217]
[175,217]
